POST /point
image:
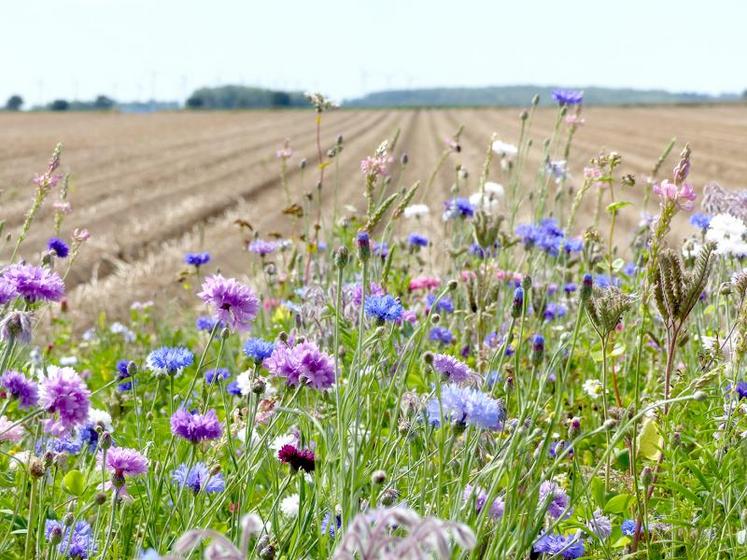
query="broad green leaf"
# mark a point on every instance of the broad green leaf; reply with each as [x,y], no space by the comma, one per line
[621,542]
[74,483]
[617,504]
[597,491]
[650,440]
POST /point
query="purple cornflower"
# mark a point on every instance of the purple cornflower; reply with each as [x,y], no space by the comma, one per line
[198,478]
[600,525]
[234,388]
[554,311]
[568,96]
[556,545]
[356,292]
[58,247]
[630,269]
[64,393]
[258,349]
[441,335]
[557,447]
[262,247]
[417,240]
[171,361]
[7,291]
[383,308]
[700,221]
[76,542]
[451,368]
[302,459]
[443,305]
[196,427]
[197,259]
[741,389]
[480,497]
[555,499]
[458,208]
[302,363]
[123,372]
[234,303]
[25,390]
[217,374]
[465,406]
[570,288]
[34,283]
[123,461]
[605,281]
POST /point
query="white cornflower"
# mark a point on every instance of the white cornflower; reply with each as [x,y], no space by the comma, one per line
[280,441]
[289,506]
[728,233]
[505,150]
[593,388]
[416,211]
[485,202]
[101,418]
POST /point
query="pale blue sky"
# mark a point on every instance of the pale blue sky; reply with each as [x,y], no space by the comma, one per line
[133,49]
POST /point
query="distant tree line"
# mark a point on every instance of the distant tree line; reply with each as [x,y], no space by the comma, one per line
[242,97]
[101,103]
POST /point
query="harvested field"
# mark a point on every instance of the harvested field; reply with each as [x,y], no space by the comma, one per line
[151,187]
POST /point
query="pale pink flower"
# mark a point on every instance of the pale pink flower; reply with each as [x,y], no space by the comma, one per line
[575,120]
[63,207]
[683,196]
[424,283]
[376,166]
[81,234]
[594,174]
[9,432]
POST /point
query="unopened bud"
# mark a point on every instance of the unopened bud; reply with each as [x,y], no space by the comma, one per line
[342,257]
[68,519]
[258,386]
[105,442]
[378,477]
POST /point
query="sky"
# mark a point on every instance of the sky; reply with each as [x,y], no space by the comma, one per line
[164,49]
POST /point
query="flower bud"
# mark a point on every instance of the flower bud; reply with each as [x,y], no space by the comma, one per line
[36,468]
[364,245]
[68,519]
[517,307]
[428,358]
[526,283]
[404,159]
[258,386]
[55,535]
[100,499]
[647,476]
[342,257]
[105,442]
[700,396]
[378,477]
[225,333]
[586,287]
[538,349]
[389,496]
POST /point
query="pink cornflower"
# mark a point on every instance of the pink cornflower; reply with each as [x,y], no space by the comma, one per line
[234,303]
[285,152]
[123,461]
[683,196]
[424,283]
[63,207]
[302,363]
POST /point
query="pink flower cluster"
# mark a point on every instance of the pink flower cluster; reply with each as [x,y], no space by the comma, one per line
[683,195]
[424,283]
[376,166]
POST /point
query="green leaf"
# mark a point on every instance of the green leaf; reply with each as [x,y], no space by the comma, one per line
[74,483]
[615,207]
[621,542]
[618,504]
[650,440]
[597,491]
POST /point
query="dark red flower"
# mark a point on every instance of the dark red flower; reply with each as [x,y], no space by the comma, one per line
[297,458]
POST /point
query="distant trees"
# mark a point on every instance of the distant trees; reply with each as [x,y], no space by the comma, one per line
[103,103]
[59,105]
[14,103]
[242,97]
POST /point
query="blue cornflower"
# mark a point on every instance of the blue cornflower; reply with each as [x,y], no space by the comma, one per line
[444,304]
[383,308]
[553,311]
[417,240]
[573,245]
[628,527]
[568,96]
[77,541]
[258,349]
[463,405]
[557,447]
[331,528]
[528,234]
[556,545]
[198,478]
[458,208]
[197,259]
[69,444]
[58,247]
[233,388]
[604,281]
[630,269]
[170,360]
[570,288]
[218,374]
[207,323]
[741,389]
[441,334]
[492,378]
[700,221]
[381,249]
[124,373]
